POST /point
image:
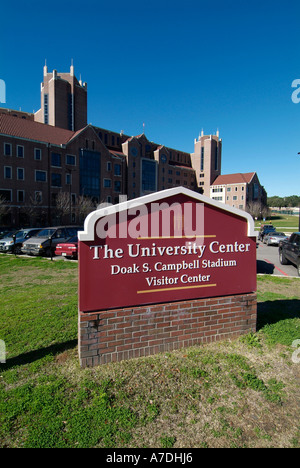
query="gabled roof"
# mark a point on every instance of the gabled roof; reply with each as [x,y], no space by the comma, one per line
[117,154]
[238,178]
[89,224]
[30,130]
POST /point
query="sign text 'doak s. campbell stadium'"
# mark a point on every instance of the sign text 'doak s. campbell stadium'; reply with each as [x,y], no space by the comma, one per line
[169,246]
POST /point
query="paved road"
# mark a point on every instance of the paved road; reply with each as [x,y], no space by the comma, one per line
[268,262]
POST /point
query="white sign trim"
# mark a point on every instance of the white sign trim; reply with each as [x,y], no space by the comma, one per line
[89,224]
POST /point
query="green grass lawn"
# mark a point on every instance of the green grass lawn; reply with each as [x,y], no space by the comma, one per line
[241,393]
[286,223]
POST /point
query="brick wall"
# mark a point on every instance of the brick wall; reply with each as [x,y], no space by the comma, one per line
[142,331]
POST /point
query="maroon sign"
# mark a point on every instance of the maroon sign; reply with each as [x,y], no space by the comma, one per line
[170,246]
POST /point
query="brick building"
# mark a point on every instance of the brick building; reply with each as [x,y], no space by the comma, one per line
[52,160]
[238,190]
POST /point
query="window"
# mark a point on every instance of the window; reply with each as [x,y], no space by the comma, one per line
[20,151]
[228,189]
[38,196]
[216,190]
[20,173]
[202,159]
[234,197]
[108,166]
[118,169]
[37,154]
[6,195]
[40,176]
[107,183]
[56,180]
[21,196]
[46,115]
[149,175]
[7,149]
[7,172]
[68,179]
[90,174]
[117,186]
[70,160]
[216,159]
[55,160]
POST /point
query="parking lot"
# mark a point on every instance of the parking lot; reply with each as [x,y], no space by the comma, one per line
[268,262]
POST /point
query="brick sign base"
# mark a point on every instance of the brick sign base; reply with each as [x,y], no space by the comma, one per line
[121,334]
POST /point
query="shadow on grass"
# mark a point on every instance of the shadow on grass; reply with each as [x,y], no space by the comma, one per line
[270,312]
[32,356]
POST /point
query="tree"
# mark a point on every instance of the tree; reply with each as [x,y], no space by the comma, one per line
[257,210]
[63,206]
[283,202]
[34,213]
[85,206]
[4,209]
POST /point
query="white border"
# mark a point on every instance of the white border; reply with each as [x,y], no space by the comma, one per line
[89,224]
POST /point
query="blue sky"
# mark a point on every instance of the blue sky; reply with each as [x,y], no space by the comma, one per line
[176,66]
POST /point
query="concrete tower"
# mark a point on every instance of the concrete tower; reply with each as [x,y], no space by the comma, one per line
[206,160]
[63,101]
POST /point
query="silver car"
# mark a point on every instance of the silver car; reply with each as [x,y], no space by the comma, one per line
[46,240]
[10,245]
[273,238]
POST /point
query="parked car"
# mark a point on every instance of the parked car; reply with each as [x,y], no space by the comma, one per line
[4,232]
[266,229]
[47,239]
[68,249]
[273,238]
[289,251]
[8,244]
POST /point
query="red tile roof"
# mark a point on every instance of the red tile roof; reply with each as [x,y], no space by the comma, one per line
[238,178]
[30,130]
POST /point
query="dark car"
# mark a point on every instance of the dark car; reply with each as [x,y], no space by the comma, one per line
[289,251]
[47,239]
[68,249]
[5,232]
[266,229]
[9,244]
